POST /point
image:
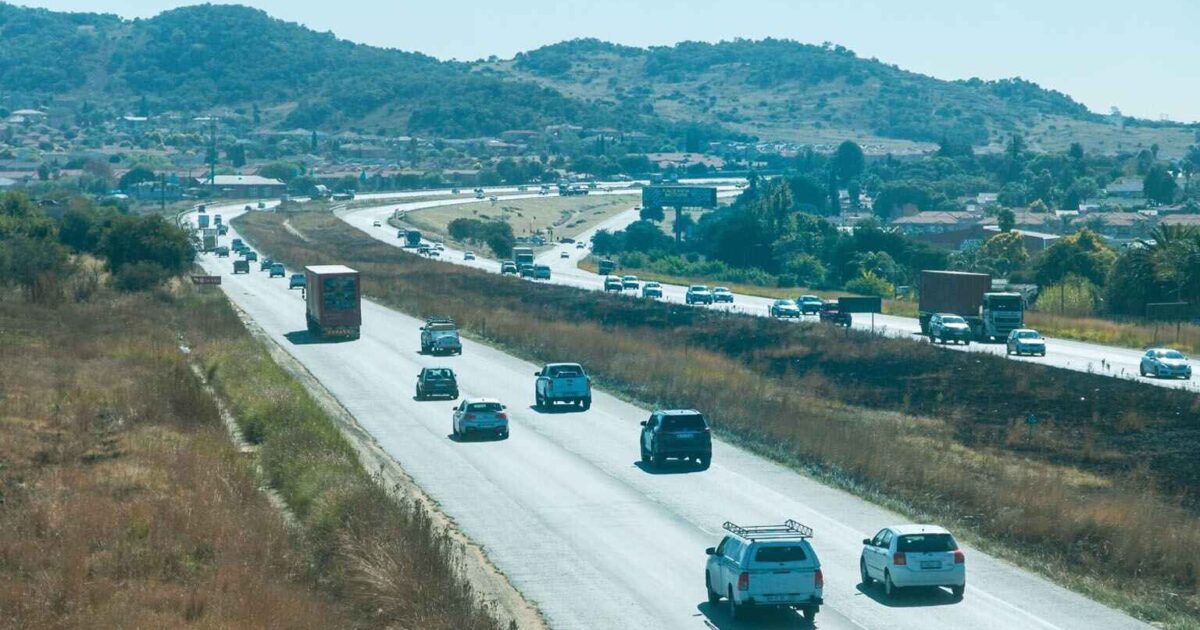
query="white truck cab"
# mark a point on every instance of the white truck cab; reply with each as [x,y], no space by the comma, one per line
[765,566]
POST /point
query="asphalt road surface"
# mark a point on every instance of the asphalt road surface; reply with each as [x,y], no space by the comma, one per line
[565,510]
[1073,355]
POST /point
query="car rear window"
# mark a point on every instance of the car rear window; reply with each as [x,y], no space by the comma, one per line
[684,423]
[780,553]
[566,371]
[439,374]
[491,406]
[926,543]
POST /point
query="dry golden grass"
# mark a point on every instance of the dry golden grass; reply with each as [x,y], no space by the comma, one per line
[124,505]
[567,215]
[1069,499]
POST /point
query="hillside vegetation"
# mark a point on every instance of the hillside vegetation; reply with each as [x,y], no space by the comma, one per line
[206,56]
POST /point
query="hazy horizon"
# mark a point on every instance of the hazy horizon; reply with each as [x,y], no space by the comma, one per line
[1104,55]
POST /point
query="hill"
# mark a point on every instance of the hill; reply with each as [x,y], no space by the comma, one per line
[779,89]
[218,56]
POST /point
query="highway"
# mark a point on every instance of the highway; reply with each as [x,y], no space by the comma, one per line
[1063,353]
[564,509]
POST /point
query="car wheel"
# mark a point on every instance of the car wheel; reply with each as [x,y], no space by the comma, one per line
[454,431]
[889,588]
[703,461]
[735,611]
[1008,351]
[957,591]
[454,395]
[1142,369]
[419,396]
[538,402]
[657,460]
[713,596]
[966,342]
[645,456]
[587,404]
[503,434]
[862,571]
[810,614]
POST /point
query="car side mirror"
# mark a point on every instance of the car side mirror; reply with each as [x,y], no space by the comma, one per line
[867,541]
[537,373]
[712,551]
[643,423]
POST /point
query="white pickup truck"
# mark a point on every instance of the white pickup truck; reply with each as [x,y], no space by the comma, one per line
[562,382]
[765,566]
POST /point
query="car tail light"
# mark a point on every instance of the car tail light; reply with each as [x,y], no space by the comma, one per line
[469,416]
[744,581]
[899,559]
[820,579]
[959,557]
[502,415]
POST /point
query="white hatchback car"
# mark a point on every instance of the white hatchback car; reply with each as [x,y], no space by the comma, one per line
[913,555]
[480,415]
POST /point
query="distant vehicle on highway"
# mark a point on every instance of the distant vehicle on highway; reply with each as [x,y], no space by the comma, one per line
[831,313]
[652,290]
[523,255]
[222,229]
[479,195]
[437,381]
[435,253]
[222,252]
[333,301]
[613,285]
[508,267]
[630,282]
[277,271]
[412,238]
[265,263]
[562,382]
[1026,341]
[424,249]
[722,294]
[784,309]
[765,566]
[241,266]
[439,335]
[377,224]
[541,272]
[439,247]
[564,254]
[809,304]
[250,255]
[236,243]
[901,556]
[1165,363]
[247,208]
[468,255]
[945,327]
[990,315]
[698,294]
[605,267]
[217,220]
[262,205]
[296,281]
[480,415]
[580,245]
[527,270]
[676,434]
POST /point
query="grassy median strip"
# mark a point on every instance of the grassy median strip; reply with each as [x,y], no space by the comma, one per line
[1100,494]
[126,505]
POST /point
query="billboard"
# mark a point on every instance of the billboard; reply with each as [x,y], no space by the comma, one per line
[860,305]
[1167,311]
[679,196]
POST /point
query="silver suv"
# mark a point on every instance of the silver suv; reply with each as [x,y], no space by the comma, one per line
[765,566]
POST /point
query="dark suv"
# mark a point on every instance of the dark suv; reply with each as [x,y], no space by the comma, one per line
[437,381]
[676,434]
[830,313]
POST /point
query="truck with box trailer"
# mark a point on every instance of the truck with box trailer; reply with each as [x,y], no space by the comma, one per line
[333,301]
[991,314]
[412,238]
[202,221]
[523,256]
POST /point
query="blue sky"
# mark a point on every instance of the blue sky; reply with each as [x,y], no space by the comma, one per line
[1138,56]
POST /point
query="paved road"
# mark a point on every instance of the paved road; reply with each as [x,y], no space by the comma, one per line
[1064,353]
[565,511]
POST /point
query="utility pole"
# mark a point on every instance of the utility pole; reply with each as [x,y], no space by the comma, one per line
[212,153]
[162,191]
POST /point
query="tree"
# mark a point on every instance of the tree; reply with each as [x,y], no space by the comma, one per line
[1002,254]
[871,284]
[147,239]
[237,155]
[43,172]
[652,213]
[1083,254]
[1159,185]
[282,171]
[136,175]
[1006,220]
[848,161]
[1039,207]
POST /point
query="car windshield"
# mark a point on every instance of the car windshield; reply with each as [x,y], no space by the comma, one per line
[720,290]
[692,422]
[1028,334]
[809,298]
[652,285]
[438,374]
[953,319]
[483,406]
[926,543]
[780,553]
[699,287]
[558,371]
[1170,354]
[782,303]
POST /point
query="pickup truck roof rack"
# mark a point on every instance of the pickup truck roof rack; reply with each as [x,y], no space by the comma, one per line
[789,529]
[439,319]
